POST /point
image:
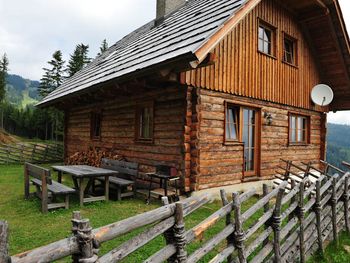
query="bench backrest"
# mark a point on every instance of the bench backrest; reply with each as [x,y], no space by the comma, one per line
[38,172]
[126,168]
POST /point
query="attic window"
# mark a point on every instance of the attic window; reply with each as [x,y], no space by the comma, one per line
[266,39]
[289,50]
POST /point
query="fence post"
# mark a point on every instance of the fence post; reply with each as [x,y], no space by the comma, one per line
[293,185]
[179,234]
[230,239]
[4,256]
[346,197]
[301,216]
[318,210]
[239,235]
[75,220]
[83,233]
[276,225]
[266,209]
[169,234]
[334,210]
[33,153]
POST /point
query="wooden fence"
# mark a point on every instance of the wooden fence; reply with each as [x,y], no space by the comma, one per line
[290,226]
[31,152]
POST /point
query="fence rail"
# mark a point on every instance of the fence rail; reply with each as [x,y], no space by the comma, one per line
[292,224]
[30,152]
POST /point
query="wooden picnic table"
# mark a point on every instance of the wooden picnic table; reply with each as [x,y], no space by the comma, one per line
[83,177]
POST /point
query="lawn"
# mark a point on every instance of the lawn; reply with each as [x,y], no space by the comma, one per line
[29,228]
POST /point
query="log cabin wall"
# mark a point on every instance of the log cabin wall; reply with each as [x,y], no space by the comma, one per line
[240,69]
[118,128]
[221,164]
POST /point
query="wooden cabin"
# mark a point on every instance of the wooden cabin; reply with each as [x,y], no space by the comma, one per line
[219,89]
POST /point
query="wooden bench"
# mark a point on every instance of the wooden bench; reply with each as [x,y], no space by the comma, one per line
[127,176]
[46,188]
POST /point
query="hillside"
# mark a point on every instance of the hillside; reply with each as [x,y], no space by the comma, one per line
[20,91]
[338,144]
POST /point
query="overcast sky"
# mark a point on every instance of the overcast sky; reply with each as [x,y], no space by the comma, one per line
[31,30]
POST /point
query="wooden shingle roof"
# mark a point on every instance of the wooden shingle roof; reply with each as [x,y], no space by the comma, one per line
[182,33]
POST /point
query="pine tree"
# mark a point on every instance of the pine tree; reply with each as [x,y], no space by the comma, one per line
[79,59]
[4,62]
[53,76]
[103,48]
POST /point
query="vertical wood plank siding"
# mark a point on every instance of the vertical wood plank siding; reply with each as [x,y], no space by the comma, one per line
[118,128]
[241,70]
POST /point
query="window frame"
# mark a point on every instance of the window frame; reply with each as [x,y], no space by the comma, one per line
[238,124]
[138,112]
[273,42]
[306,140]
[93,116]
[294,43]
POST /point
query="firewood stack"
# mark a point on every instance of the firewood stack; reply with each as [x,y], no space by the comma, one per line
[92,157]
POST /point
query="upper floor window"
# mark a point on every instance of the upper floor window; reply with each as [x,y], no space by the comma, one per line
[289,50]
[95,127]
[298,129]
[266,41]
[144,122]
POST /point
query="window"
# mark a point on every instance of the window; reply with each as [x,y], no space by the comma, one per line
[232,120]
[144,122]
[298,129]
[289,50]
[266,41]
[95,128]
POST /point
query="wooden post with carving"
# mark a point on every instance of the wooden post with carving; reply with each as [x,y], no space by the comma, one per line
[334,210]
[301,216]
[83,233]
[239,235]
[318,211]
[230,239]
[179,234]
[169,234]
[4,256]
[266,209]
[346,198]
[276,226]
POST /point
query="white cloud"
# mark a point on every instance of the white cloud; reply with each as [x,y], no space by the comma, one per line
[31,30]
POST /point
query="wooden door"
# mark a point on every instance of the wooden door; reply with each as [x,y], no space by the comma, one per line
[251,141]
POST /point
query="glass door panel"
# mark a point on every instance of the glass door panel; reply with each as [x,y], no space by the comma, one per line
[249,133]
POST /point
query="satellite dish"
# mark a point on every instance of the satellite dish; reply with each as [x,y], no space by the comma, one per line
[322,95]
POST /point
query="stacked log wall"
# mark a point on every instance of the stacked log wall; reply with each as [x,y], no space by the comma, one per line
[221,163]
[118,128]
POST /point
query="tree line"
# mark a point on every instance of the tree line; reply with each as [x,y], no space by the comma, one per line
[33,122]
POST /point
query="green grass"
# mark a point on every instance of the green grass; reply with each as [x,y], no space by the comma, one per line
[29,228]
[335,253]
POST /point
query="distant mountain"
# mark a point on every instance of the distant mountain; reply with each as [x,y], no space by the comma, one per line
[338,144]
[20,91]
